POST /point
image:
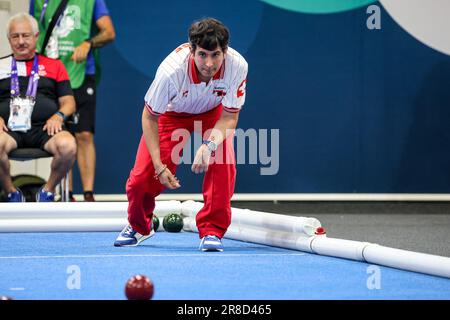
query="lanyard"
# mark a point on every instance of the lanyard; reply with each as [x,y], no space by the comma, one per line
[44,9]
[32,82]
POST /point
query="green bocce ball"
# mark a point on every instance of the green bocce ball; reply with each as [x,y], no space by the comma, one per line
[173,222]
[155,223]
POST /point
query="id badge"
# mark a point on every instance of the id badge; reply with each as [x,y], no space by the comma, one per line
[20,114]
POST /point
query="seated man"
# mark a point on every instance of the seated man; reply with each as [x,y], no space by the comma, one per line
[35,99]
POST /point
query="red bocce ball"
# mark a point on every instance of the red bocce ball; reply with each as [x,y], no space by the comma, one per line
[139,287]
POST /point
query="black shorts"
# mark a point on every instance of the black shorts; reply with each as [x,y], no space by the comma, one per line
[85,99]
[33,138]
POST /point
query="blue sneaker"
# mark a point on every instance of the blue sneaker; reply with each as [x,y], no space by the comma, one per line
[129,237]
[16,196]
[44,196]
[211,243]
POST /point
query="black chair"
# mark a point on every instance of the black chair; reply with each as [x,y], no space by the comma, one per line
[25,154]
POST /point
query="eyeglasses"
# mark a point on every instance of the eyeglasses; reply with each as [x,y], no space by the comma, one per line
[16,36]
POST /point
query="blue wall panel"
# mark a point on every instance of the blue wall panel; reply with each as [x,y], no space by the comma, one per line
[357,110]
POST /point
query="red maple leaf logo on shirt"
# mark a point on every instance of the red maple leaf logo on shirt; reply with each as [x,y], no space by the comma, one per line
[241,89]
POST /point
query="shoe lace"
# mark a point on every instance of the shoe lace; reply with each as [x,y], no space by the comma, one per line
[129,230]
[212,238]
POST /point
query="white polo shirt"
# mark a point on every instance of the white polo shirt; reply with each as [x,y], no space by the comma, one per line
[176,86]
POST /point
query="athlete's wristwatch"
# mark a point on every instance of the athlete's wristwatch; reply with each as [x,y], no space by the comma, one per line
[212,146]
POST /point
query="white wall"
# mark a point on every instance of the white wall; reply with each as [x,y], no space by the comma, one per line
[7,9]
[427,21]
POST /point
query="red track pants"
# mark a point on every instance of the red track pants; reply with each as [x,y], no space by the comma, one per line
[218,183]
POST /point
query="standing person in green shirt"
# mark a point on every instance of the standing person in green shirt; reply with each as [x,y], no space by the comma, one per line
[82,28]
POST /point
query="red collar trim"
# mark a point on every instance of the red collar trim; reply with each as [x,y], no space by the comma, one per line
[193,73]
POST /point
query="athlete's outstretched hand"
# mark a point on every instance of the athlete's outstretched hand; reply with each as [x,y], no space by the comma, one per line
[201,160]
[168,180]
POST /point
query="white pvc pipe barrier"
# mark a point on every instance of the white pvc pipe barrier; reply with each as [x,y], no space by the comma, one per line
[340,248]
[78,209]
[258,219]
[408,260]
[73,216]
[63,225]
[252,226]
[274,238]
[381,255]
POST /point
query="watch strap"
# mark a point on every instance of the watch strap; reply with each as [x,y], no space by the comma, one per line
[212,146]
[62,115]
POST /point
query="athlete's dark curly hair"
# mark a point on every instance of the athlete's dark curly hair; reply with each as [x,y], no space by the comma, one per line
[209,33]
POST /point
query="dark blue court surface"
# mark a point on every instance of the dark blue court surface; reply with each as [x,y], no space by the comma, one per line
[47,266]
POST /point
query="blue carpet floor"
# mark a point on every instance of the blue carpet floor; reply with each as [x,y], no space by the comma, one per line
[86,266]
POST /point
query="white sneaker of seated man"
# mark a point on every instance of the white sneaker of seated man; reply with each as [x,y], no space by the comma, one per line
[129,237]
